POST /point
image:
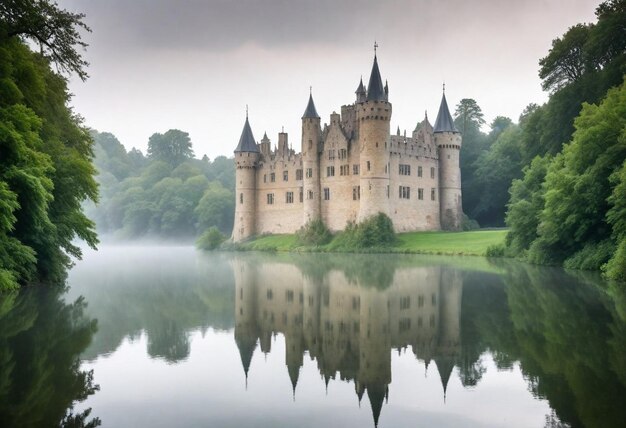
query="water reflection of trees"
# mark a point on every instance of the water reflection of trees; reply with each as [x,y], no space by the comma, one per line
[566,335]
[41,338]
[165,294]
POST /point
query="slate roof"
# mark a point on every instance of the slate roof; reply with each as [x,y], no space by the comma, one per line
[246,141]
[375,90]
[310,112]
[444,122]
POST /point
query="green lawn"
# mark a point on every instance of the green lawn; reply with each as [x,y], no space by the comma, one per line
[472,243]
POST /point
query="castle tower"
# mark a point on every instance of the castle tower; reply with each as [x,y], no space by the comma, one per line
[246,328]
[246,161]
[311,141]
[374,116]
[448,141]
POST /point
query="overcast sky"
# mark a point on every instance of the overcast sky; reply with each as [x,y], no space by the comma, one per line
[194,65]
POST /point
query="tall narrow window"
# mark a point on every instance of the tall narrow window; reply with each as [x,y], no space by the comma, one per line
[270,198]
[326,194]
[432,172]
[419,171]
[432,194]
[273,177]
[368,165]
[356,193]
[355,169]
[420,194]
[404,192]
[301,194]
[309,194]
[330,171]
[241,198]
[298,174]
[289,197]
[309,173]
[285,175]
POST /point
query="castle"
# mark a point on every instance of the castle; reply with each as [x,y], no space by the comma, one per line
[349,170]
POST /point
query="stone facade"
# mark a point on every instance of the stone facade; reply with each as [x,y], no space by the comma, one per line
[349,170]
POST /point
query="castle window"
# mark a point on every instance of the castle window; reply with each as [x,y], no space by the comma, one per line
[241,198]
[301,194]
[285,175]
[356,193]
[289,295]
[432,172]
[404,324]
[432,194]
[344,170]
[343,154]
[355,169]
[273,177]
[298,174]
[419,171]
[404,192]
[331,154]
[270,294]
[289,197]
[420,194]
[326,194]
[405,169]
[330,171]
[310,144]
[368,165]
[405,302]
[309,194]
[264,178]
[309,173]
[270,198]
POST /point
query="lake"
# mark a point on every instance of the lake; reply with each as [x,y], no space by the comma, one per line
[169,336]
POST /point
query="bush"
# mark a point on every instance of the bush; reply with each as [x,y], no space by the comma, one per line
[616,267]
[374,232]
[210,239]
[496,250]
[592,257]
[468,224]
[314,232]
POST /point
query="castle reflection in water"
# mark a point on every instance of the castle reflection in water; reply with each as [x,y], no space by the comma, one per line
[349,323]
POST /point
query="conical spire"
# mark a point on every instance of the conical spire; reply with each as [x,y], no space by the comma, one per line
[360,92]
[444,122]
[445,365]
[246,141]
[246,345]
[310,112]
[375,90]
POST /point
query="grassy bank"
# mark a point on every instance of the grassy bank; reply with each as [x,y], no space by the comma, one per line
[474,243]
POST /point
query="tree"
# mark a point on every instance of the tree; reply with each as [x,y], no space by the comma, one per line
[468,112]
[173,147]
[566,62]
[56,31]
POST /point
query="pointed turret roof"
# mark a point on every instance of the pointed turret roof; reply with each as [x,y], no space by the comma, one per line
[246,345]
[310,112]
[294,373]
[246,141]
[444,122]
[361,88]
[375,90]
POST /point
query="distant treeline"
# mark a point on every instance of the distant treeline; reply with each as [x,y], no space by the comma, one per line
[166,193]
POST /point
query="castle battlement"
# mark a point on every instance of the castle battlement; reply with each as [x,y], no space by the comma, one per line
[350,169]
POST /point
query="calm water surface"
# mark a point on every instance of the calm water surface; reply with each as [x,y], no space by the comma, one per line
[167,336]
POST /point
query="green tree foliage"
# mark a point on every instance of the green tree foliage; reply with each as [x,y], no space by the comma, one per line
[577,207]
[314,232]
[173,147]
[210,239]
[46,170]
[159,197]
[373,232]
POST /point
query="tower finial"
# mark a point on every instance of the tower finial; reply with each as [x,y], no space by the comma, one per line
[246,111]
[375,47]
[310,90]
[444,86]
